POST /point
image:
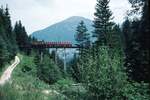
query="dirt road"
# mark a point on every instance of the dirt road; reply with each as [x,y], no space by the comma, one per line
[7,73]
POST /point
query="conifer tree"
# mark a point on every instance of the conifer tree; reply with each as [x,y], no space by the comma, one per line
[3,52]
[102,22]
[132,50]
[21,37]
[126,30]
[82,35]
[83,38]
[7,34]
[12,48]
[145,39]
[137,41]
[116,37]
[74,69]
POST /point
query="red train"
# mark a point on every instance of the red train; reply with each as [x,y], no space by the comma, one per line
[52,44]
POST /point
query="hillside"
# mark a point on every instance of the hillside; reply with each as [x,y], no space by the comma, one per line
[62,31]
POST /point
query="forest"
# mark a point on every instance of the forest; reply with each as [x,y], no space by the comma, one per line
[115,66]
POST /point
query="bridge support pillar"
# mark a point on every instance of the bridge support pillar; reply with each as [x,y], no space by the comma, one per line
[41,54]
[65,64]
[56,56]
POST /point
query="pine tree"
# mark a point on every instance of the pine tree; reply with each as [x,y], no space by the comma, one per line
[5,24]
[3,52]
[82,38]
[82,35]
[116,37]
[102,22]
[126,30]
[12,48]
[136,7]
[145,38]
[21,37]
[74,69]
[137,41]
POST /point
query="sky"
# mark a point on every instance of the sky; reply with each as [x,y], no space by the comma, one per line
[39,14]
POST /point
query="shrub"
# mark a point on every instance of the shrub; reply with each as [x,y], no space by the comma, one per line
[48,71]
[105,78]
[9,92]
[71,90]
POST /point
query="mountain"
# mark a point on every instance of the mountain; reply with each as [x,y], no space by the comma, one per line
[62,31]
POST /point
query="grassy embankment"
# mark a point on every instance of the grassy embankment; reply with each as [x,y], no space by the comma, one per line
[25,85]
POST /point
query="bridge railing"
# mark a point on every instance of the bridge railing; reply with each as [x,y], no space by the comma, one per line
[53,44]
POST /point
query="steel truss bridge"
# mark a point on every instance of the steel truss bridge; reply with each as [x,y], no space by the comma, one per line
[56,46]
[53,45]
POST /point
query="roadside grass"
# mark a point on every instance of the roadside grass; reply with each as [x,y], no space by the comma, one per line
[72,90]
[9,92]
[24,85]
[6,66]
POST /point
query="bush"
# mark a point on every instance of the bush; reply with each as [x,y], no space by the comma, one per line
[8,92]
[136,91]
[105,78]
[48,71]
[71,90]
[63,84]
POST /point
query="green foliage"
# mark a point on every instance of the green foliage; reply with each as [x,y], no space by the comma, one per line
[24,66]
[48,71]
[59,61]
[82,37]
[132,49]
[83,40]
[102,22]
[27,78]
[100,70]
[8,47]
[137,39]
[3,52]
[21,37]
[25,85]
[136,7]
[105,78]
[71,90]
[63,84]
[136,91]
[116,38]
[125,30]
[102,76]
[145,39]
[9,92]
[74,70]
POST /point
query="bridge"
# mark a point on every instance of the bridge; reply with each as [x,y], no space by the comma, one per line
[56,45]
[41,44]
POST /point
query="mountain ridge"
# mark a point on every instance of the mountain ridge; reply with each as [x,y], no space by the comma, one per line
[62,31]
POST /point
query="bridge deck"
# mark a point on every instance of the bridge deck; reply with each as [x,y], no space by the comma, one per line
[56,47]
[52,45]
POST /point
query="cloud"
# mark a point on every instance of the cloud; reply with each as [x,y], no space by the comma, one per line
[38,14]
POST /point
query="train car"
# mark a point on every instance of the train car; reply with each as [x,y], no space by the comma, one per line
[51,44]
